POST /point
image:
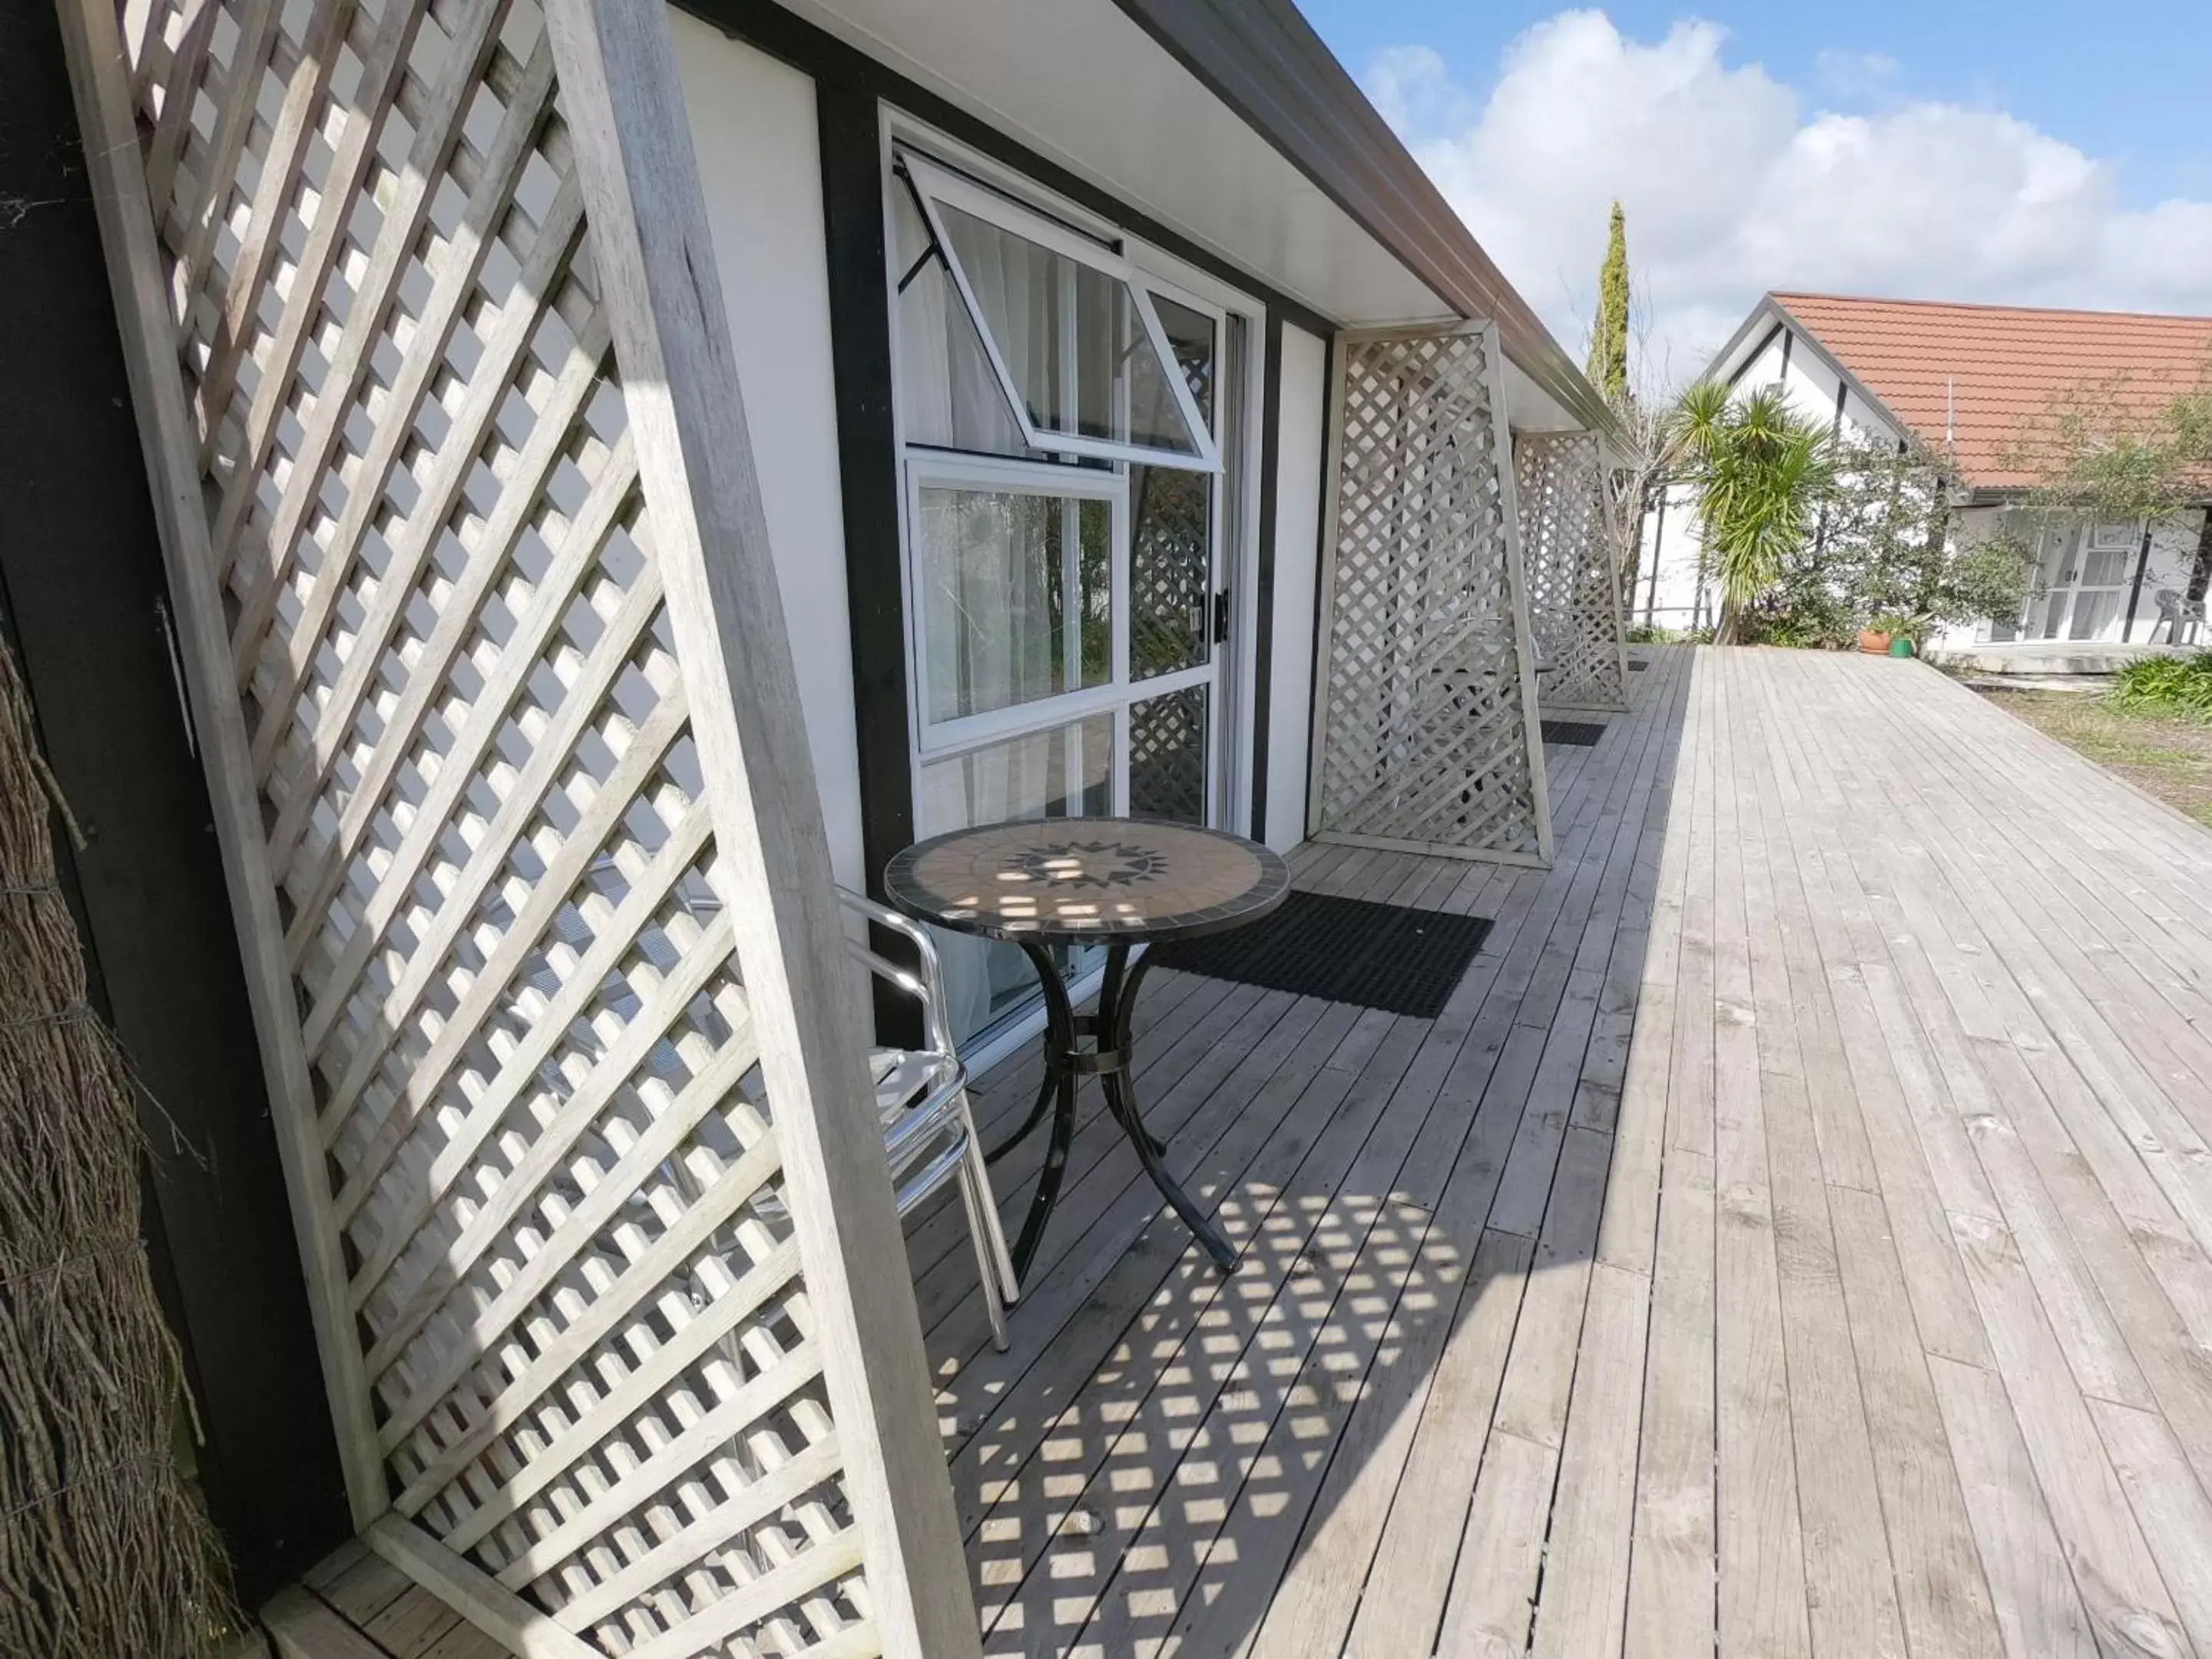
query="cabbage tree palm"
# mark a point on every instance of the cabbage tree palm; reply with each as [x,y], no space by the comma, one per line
[1761,471]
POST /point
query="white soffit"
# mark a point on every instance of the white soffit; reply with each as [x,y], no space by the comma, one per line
[1529,408]
[1082,85]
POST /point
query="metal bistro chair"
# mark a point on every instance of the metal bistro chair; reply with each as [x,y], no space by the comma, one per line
[921,1096]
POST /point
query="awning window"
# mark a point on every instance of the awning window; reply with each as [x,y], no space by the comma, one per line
[1072,336]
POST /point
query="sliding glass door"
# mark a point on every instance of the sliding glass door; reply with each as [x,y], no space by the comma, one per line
[1064,420]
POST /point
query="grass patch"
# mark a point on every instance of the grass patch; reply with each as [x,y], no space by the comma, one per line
[2163,753]
[2180,686]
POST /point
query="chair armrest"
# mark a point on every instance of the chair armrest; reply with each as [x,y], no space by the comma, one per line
[927,987]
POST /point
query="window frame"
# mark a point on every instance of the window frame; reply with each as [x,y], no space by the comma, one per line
[939,739]
[2131,533]
[931,183]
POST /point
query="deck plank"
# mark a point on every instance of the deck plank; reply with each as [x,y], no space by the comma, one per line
[1762,1573]
[1792,1237]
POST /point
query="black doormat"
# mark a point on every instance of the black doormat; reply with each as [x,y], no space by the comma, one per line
[1584,735]
[1636,664]
[1379,955]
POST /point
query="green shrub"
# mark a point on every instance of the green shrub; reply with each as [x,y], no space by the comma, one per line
[1894,623]
[2166,686]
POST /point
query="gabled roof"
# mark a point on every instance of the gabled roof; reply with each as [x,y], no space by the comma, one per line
[1988,371]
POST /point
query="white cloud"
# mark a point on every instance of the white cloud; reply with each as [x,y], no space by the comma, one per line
[1732,186]
[1855,76]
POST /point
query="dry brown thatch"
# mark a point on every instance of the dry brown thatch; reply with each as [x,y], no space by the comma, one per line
[103,1549]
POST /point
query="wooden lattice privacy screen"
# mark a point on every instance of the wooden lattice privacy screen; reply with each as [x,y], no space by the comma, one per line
[1428,735]
[488,668]
[1574,587]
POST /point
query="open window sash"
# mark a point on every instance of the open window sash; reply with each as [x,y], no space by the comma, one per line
[1048,383]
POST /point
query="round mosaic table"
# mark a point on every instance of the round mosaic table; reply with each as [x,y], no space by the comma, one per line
[1119,882]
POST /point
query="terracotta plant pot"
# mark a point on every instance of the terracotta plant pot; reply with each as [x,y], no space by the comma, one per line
[1874,644]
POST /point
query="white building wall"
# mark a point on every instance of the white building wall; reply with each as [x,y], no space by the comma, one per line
[1667,593]
[1297,486]
[1810,386]
[753,126]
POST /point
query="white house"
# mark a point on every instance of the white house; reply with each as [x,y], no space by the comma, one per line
[619,470]
[904,199]
[1965,380]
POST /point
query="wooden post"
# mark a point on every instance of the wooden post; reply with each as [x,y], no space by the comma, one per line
[1623,591]
[620,96]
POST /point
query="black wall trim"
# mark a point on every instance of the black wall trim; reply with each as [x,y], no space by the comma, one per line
[867,461]
[82,584]
[868,479]
[847,70]
[1263,633]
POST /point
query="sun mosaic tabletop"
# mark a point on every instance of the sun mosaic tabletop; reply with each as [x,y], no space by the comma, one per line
[1067,878]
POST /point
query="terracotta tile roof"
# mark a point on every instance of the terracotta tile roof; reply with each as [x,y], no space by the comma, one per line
[2002,364]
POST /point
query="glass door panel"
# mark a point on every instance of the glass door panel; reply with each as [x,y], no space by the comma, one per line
[1017,596]
[1074,438]
[2088,590]
[1172,529]
[2095,610]
[1170,570]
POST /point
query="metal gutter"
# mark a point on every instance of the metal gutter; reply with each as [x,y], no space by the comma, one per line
[1262,59]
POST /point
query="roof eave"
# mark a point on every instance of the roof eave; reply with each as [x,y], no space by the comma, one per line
[1262,59]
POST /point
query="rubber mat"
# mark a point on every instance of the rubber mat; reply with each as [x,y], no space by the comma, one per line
[1389,956]
[1584,735]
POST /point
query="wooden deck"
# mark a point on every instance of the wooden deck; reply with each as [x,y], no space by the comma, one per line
[1791,1239]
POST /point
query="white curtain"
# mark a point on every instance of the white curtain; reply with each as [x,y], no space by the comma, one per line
[948,392]
[1065,771]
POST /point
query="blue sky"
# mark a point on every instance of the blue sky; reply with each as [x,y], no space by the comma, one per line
[2130,82]
[1943,150]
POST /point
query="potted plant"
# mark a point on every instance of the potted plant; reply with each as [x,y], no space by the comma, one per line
[1879,637]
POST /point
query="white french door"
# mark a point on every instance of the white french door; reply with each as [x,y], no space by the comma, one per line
[2087,575]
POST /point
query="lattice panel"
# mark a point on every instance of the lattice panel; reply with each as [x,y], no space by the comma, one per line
[1427,738]
[548,1161]
[1167,756]
[1574,591]
[1170,570]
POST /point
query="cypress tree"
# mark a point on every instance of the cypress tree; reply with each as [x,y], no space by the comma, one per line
[1608,350]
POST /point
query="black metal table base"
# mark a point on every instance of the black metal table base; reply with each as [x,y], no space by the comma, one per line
[1067,1063]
